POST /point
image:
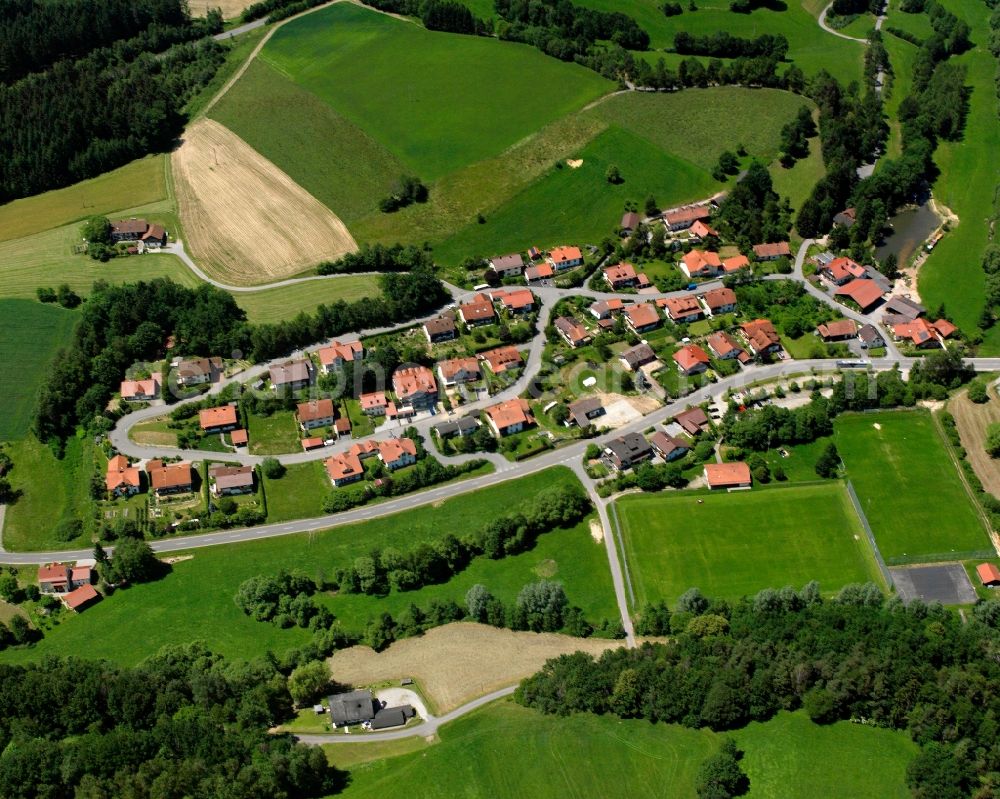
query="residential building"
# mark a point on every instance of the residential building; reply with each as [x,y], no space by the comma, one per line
[122,479]
[415,386]
[944,328]
[218,420]
[727,475]
[722,300]
[841,270]
[502,358]
[637,356]
[198,371]
[351,708]
[478,311]
[229,480]
[344,468]
[335,355]
[701,263]
[401,412]
[538,273]
[141,390]
[155,237]
[462,426]
[396,453]
[735,264]
[315,413]
[989,575]
[53,578]
[534,254]
[837,331]
[870,337]
[761,336]
[374,403]
[459,370]
[701,230]
[573,332]
[561,258]
[292,375]
[685,308]
[691,360]
[920,333]
[683,218]
[81,598]
[724,347]
[517,301]
[626,451]
[440,329]
[128,229]
[630,221]
[693,421]
[508,265]
[603,309]
[584,410]
[847,217]
[509,417]
[169,478]
[771,251]
[866,293]
[621,276]
[670,448]
[642,317]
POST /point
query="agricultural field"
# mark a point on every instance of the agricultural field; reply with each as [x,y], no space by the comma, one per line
[733,545]
[245,220]
[285,302]
[30,334]
[896,461]
[505,750]
[972,421]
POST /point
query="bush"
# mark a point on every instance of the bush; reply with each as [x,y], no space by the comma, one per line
[977,392]
[272,468]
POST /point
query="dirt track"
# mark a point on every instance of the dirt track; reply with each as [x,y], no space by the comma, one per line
[245,220]
[972,421]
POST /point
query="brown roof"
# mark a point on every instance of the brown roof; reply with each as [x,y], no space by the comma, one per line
[630,220]
[760,333]
[443,324]
[693,420]
[504,262]
[511,412]
[154,232]
[171,475]
[232,476]
[690,356]
[453,366]
[53,573]
[839,329]
[690,214]
[863,291]
[638,355]
[538,272]
[727,475]
[772,250]
[413,380]
[79,597]
[129,226]
[722,344]
[217,417]
[481,307]
[342,425]
[571,328]
[291,372]
[666,444]
[679,307]
[198,367]
[314,409]
[502,358]
[719,298]
[642,314]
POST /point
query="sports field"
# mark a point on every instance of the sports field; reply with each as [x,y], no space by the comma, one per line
[505,750]
[908,485]
[733,545]
[30,334]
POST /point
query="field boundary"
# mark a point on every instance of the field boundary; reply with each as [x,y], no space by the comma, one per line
[941,557]
[619,544]
[871,536]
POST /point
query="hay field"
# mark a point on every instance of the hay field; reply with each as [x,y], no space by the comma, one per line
[458,662]
[246,221]
[972,421]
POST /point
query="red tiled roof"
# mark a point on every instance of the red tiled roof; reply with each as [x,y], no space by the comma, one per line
[413,380]
[722,344]
[619,272]
[79,597]
[769,250]
[727,475]
[702,230]
[679,307]
[312,443]
[314,409]
[838,329]
[571,328]
[171,475]
[516,299]
[346,464]
[863,291]
[393,449]
[478,309]
[562,254]
[239,437]
[217,417]
[119,473]
[719,298]
[841,268]
[919,331]
[642,314]
[988,573]
[53,573]
[511,412]
[502,358]
[375,399]
[538,272]
[698,260]
[690,356]
[340,352]
[453,366]
[760,333]
[944,328]
[141,388]
[735,263]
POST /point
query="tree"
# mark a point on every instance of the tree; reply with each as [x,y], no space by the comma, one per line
[692,601]
[66,297]
[977,392]
[890,266]
[829,461]
[543,604]
[272,468]
[96,229]
[720,776]
[477,602]
[652,209]
[613,175]
[133,561]
[309,682]
[654,620]
[560,413]
[992,444]
[9,589]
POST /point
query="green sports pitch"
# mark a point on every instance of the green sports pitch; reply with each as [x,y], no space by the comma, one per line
[734,544]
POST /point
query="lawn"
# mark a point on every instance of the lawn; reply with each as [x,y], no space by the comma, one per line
[733,545]
[299,493]
[505,750]
[30,334]
[275,434]
[909,487]
[275,305]
[196,600]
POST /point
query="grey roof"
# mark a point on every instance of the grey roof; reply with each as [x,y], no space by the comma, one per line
[904,307]
[825,258]
[463,425]
[443,324]
[291,372]
[868,333]
[352,708]
[581,410]
[392,717]
[638,355]
[629,447]
[507,261]
[883,282]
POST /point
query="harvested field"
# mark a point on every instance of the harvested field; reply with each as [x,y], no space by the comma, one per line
[246,221]
[229,8]
[972,421]
[458,662]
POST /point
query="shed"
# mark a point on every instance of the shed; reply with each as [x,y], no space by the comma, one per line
[989,575]
[393,717]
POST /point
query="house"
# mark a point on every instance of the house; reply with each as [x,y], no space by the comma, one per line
[169,478]
[670,448]
[701,263]
[583,410]
[920,333]
[401,412]
[197,371]
[847,217]
[837,331]
[724,347]
[342,427]
[561,258]
[534,254]
[364,449]
[904,307]
[141,390]
[397,453]
[512,416]
[944,328]
[121,478]
[721,300]
[291,376]
[315,413]
[416,387]
[508,265]
[218,420]
[691,360]
[462,426]
[685,308]
[573,332]
[693,421]
[227,480]
[602,309]
[621,276]
[866,293]
[642,317]
[761,336]
[841,270]
[727,475]
[516,301]
[771,251]
[309,444]
[53,578]
[351,708]
[81,598]
[478,311]
[870,337]
[395,716]
[344,468]
[502,358]
[154,237]
[239,437]
[128,229]
[637,356]
[335,355]
[459,370]
[536,274]
[373,404]
[683,218]
[626,451]
[735,264]
[989,575]
[700,230]
[440,329]
[630,221]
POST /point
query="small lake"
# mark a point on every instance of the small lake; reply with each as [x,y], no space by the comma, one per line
[910,228]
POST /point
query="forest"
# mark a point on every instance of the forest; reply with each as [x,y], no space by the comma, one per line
[858,656]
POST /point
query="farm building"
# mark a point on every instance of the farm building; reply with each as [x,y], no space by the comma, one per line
[351,708]
[727,475]
[989,575]
[81,598]
[59,578]
[903,307]
[630,221]
[866,293]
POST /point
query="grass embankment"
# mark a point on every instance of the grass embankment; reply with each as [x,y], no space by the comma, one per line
[732,545]
[973,421]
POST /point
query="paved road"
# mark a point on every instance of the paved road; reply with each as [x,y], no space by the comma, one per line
[823,24]
[246,27]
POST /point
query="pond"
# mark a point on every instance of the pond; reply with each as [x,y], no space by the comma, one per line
[910,228]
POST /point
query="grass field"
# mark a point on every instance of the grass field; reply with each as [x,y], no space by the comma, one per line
[275,434]
[973,421]
[30,334]
[505,750]
[731,545]
[909,488]
[274,305]
[299,493]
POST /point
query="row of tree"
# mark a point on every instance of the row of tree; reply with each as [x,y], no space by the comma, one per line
[724,45]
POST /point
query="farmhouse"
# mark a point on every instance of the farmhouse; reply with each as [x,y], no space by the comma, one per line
[516,301]
[727,475]
[670,448]
[637,356]
[138,230]
[989,575]
[81,598]
[700,230]
[870,337]
[691,360]
[351,708]
[573,332]
[837,331]
[582,411]
[336,355]
[141,390]
[536,274]
[502,358]
[630,221]
[693,421]
[626,451]
[58,578]
[603,309]
[440,329]
[721,300]
[122,479]
[771,252]
[169,478]
[642,317]
[459,370]
[623,276]
[197,371]
[344,468]
[683,218]
[725,347]
[397,453]
[218,420]
[291,376]
[561,258]
[685,308]
[920,333]
[415,386]
[866,293]
[903,307]
[462,426]
[508,265]
[373,404]
[761,336]
[227,480]
[701,263]
[479,311]
[507,418]
[315,413]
